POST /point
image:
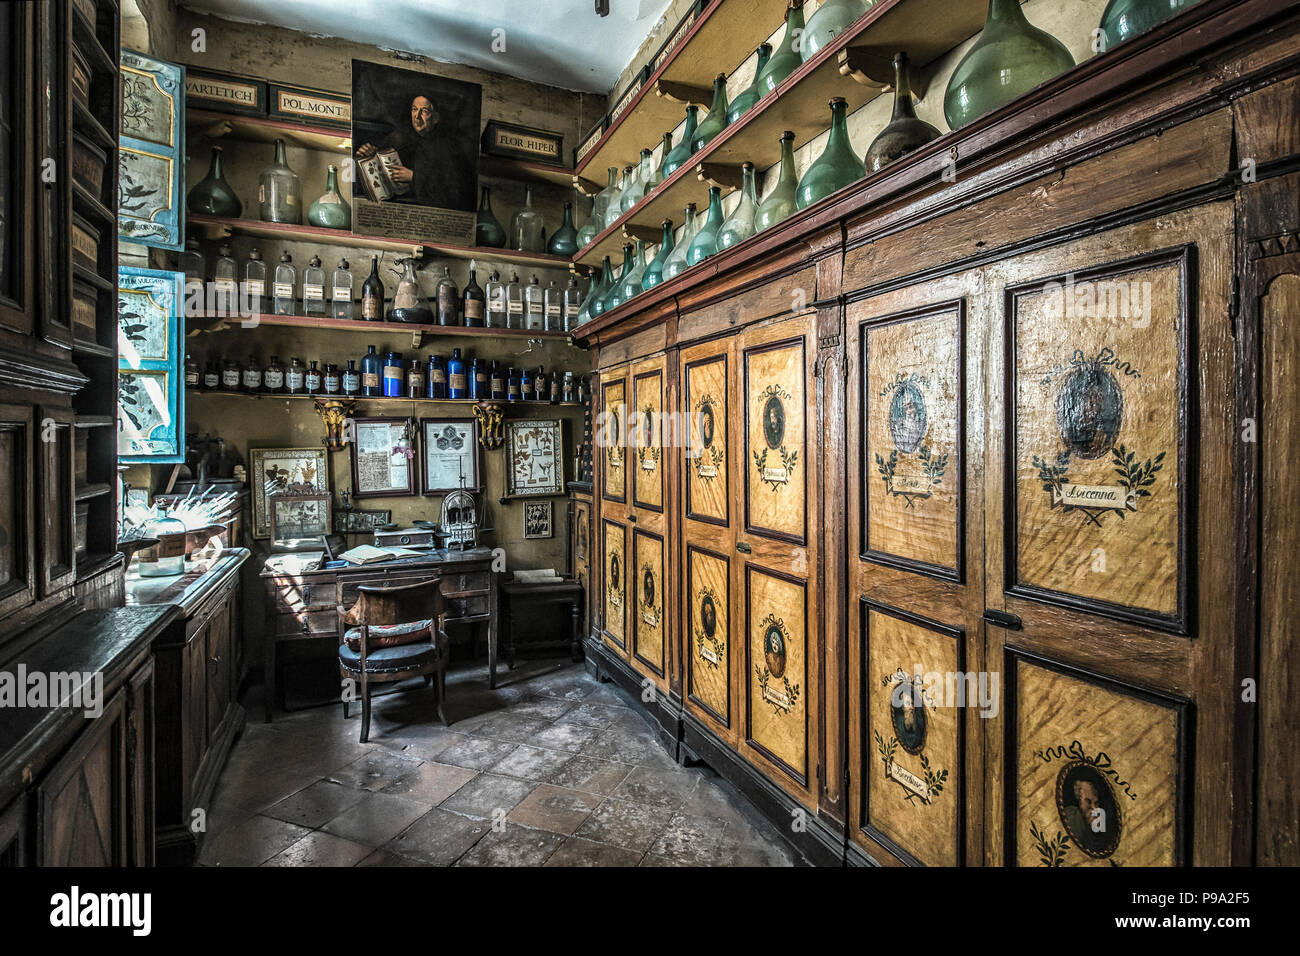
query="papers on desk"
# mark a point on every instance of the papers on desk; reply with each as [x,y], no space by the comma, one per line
[298,561]
[369,554]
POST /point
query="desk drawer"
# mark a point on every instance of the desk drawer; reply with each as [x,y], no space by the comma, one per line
[464,608]
[307,622]
[350,584]
[294,598]
[460,582]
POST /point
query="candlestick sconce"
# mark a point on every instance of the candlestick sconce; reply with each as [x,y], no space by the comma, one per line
[335,412]
[491,416]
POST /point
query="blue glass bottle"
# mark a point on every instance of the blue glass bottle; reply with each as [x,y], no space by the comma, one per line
[435,378]
[497,382]
[477,378]
[394,375]
[525,385]
[371,384]
[512,385]
[457,379]
[654,272]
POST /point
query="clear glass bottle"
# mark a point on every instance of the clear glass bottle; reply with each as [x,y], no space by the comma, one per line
[716,121]
[279,191]
[285,285]
[675,264]
[224,284]
[1011,57]
[295,377]
[487,230]
[589,228]
[273,376]
[341,306]
[657,174]
[615,209]
[786,59]
[905,131]
[534,305]
[409,304]
[496,302]
[614,297]
[553,299]
[782,201]
[526,226]
[705,243]
[836,167]
[252,376]
[447,298]
[472,301]
[654,270]
[313,288]
[600,205]
[195,268]
[684,150]
[514,303]
[634,191]
[569,391]
[162,566]
[564,241]
[331,210]
[746,98]
[739,226]
[831,19]
[630,287]
[254,291]
[573,300]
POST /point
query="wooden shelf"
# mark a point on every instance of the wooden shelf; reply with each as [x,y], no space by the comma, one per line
[370,328]
[926,29]
[259,129]
[96,421]
[85,122]
[89,43]
[216,228]
[725,33]
[385,399]
[87,204]
[82,347]
[86,492]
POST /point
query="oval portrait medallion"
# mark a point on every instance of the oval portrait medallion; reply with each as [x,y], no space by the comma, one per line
[773,422]
[908,418]
[774,650]
[1088,809]
[613,571]
[1089,410]
[648,588]
[907,713]
[708,615]
[706,424]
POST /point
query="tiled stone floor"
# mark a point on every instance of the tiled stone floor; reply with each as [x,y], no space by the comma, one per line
[551,769]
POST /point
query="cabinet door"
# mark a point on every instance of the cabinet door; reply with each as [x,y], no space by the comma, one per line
[776,552]
[580,545]
[217,665]
[650,598]
[714,636]
[1111,379]
[57,487]
[612,486]
[17,549]
[82,800]
[913,456]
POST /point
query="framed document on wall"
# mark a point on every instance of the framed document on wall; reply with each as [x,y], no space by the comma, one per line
[450,455]
[383,463]
[535,458]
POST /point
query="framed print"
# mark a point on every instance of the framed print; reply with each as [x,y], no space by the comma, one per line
[538,519]
[416,139]
[151,160]
[383,461]
[450,454]
[360,520]
[535,458]
[277,470]
[299,520]
[151,425]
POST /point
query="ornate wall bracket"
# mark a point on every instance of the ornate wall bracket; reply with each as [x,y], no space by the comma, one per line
[491,416]
[335,412]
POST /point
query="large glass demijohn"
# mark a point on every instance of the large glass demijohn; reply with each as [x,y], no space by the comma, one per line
[786,59]
[1125,19]
[905,130]
[705,243]
[1011,57]
[746,98]
[830,20]
[654,270]
[782,200]
[682,152]
[836,167]
[716,121]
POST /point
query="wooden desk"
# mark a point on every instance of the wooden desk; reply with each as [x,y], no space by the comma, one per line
[304,605]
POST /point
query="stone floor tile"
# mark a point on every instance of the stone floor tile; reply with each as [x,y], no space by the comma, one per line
[511,727]
[320,849]
[576,851]
[556,809]
[251,843]
[665,789]
[376,819]
[622,823]
[513,846]
[489,796]
[430,783]
[589,774]
[558,736]
[374,771]
[476,753]
[439,838]
[531,763]
[314,805]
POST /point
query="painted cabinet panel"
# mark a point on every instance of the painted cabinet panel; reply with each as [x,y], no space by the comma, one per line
[614,584]
[152,156]
[708,600]
[612,436]
[776,460]
[649,589]
[151,399]
[776,689]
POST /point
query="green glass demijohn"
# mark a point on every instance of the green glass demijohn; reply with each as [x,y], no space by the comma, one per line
[630,287]
[614,297]
[487,231]
[746,98]
[331,211]
[836,167]
[564,241]
[1125,19]
[830,20]
[654,270]
[212,195]
[589,230]
[786,59]
[600,205]
[1011,57]
[905,131]
[716,121]
[636,189]
[597,294]
[781,201]
[658,175]
[675,264]
[683,151]
[705,243]
[740,224]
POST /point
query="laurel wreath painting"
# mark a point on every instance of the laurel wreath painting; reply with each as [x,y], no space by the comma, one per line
[1089,415]
[932,466]
[772,400]
[1054,851]
[934,779]
[644,448]
[773,667]
[907,419]
[711,452]
[702,637]
[649,608]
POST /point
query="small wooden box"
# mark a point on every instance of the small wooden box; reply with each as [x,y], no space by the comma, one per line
[224,92]
[522,142]
[301,104]
[88,163]
[85,311]
[85,244]
[405,538]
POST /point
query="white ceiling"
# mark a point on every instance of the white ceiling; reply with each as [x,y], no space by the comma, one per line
[557,42]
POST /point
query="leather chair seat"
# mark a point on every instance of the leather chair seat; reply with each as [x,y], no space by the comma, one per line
[389,659]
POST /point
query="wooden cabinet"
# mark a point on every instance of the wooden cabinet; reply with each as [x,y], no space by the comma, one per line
[580,542]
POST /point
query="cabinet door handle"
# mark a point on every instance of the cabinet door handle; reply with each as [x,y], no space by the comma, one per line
[744,548]
[1002,619]
[632,518]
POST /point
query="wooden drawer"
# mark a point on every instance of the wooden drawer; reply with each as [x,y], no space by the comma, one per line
[466,583]
[305,597]
[307,622]
[350,584]
[465,608]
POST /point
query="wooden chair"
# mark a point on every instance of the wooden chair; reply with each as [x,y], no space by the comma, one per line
[393,633]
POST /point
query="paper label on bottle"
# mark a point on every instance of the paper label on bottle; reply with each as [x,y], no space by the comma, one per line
[294,380]
[191,378]
[313,291]
[341,294]
[473,308]
[351,382]
[394,371]
[535,308]
[283,290]
[254,287]
[498,385]
[459,381]
[330,199]
[552,310]
[331,383]
[230,378]
[273,378]
[225,285]
[439,376]
[211,380]
[513,391]
[516,308]
[261,193]
[313,381]
[414,380]
[252,378]
[370,309]
[290,199]
[571,310]
[369,380]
